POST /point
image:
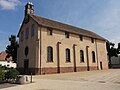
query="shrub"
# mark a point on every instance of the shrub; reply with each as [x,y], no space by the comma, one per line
[11,73]
[2,74]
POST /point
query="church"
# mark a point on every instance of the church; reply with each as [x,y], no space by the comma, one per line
[48,47]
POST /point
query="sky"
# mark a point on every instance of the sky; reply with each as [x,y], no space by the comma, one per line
[99,16]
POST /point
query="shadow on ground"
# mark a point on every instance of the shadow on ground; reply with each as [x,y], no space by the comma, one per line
[7,85]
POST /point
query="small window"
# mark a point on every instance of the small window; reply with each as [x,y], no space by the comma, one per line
[49,54]
[32,30]
[93,56]
[49,31]
[81,38]
[27,33]
[92,40]
[67,55]
[22,35]
[66,34]
[81,56]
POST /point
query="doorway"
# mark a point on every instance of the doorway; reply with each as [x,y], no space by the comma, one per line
[26,66]
[101,66]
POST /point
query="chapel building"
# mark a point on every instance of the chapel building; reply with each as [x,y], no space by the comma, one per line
[47,46]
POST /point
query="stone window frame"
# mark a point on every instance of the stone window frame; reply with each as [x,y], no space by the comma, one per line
[22,36]
[93,57]
[92,40]
[49,54]
[67,55]
[81,37]
[49,31]
[82,56]
[32,30]
[67,35]
[27,33]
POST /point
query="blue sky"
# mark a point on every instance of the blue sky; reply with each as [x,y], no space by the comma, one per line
[99,16]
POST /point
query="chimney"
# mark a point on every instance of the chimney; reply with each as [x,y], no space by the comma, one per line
[29,8]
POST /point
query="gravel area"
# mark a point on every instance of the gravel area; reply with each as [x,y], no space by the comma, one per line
[92,80]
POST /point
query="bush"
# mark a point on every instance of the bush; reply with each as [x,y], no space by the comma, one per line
[11,73]
[2,74]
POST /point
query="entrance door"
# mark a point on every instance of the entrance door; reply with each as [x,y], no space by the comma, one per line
[26,66]
[101,65]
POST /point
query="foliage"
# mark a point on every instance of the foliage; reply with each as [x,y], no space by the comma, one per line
[11,73]
[112,51]
[11,49]
[2,74]
[118,49]
[8,73]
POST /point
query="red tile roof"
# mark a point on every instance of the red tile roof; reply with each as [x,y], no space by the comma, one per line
[3,54]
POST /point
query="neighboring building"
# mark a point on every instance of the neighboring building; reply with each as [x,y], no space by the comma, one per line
[47,46]
[3,55]
[8,63]
[115,62]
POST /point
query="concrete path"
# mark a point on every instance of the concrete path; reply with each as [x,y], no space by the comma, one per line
[92,80]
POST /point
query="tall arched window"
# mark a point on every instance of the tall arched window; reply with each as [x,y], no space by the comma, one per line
[22,36]
[27,33]
[81,56]
[93,56]
[49,54]
[32,29]
[67,55]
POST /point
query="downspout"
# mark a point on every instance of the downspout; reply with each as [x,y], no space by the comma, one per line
[88,67]
[40,50]
[74,57]
[96,53]
[58,57]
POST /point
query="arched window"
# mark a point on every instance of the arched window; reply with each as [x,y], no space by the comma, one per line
[22,36]
[27,33]
[67,55]
[81,56]
[93,56]
[49,54]
[32,30]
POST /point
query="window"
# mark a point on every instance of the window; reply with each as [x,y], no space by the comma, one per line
[49,54]
[92,40]
[66,34]
[93,56]
[81,38]
[81,56]
[22,36]
[49,31]
[27,33]
[32,30]
[67,55]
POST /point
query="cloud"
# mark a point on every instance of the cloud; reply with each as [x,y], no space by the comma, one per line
[9,4]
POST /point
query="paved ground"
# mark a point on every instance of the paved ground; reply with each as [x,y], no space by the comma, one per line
[92,80]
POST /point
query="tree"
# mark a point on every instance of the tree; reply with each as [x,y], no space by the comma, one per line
[111,51]
[118,49]
[11,49]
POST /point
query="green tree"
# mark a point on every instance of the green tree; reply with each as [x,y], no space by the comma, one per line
[11,49]
[118,49]
[11,73]
[111,51]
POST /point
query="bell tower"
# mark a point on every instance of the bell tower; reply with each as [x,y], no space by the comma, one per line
[29,9]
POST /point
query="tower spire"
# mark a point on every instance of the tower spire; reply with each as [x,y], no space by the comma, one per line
[29,8]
